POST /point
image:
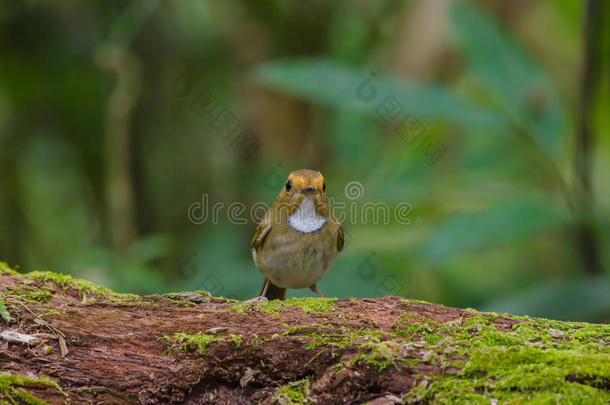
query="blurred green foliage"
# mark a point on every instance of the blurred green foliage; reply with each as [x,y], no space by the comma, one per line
[109,135]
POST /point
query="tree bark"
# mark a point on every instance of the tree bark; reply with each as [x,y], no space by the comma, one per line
[90,345]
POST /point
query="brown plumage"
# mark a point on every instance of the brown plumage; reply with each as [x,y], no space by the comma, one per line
[296,242]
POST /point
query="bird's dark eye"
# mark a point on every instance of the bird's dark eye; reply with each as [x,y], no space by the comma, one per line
[324,187]
[288,185]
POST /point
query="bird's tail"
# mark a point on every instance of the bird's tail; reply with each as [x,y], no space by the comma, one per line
[273,292]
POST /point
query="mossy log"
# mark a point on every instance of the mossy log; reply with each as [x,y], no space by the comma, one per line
[90,345]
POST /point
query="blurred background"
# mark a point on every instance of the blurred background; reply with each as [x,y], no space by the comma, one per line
[122,123]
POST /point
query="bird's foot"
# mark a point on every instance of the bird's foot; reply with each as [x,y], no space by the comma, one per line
[261,298]
[315,289]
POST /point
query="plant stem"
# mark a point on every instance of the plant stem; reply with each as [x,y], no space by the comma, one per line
[587,240]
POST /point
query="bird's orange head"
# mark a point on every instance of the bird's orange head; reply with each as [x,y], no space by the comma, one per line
[301,184]
[304,181]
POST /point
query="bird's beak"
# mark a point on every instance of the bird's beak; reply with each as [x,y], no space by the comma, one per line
[308,189]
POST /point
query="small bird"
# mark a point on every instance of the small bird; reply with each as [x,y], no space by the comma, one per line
[297,240]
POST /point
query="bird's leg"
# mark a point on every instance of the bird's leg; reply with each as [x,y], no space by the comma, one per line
[315,289]
[260,298]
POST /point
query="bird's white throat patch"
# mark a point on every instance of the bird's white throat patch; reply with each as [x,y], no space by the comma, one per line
[306,219]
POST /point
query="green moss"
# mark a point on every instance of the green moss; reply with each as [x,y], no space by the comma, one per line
[5,269]
[12,388]
[30,294]
[380,354]
[326,334]
[40,295]
[85,288]
[538,361]
[316,306]
[236,339]
[201,340]
[297,392]
[21,297]
[373,345]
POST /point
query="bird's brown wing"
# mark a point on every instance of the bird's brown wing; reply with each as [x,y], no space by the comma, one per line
[340,238]
[262,230]
[272,292]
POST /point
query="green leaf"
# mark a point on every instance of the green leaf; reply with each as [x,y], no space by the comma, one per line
[575,299]
[506,222]
[518,84]
[335,85]
[4,311]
